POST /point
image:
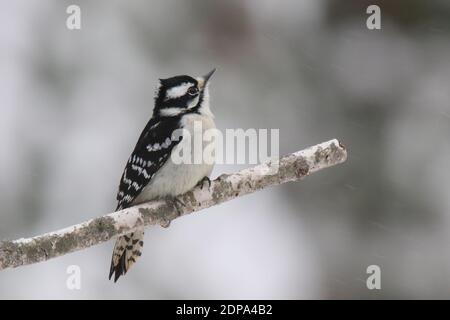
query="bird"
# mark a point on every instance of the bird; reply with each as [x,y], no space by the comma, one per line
[180,103]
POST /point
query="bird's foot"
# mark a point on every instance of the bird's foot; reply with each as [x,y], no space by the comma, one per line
[202,182]
[176,203]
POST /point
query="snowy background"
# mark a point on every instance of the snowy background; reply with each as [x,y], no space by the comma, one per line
[72,104]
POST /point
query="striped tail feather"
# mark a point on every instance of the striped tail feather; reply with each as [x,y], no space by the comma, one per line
[127,250]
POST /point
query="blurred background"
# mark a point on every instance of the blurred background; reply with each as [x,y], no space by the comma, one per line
[73,104]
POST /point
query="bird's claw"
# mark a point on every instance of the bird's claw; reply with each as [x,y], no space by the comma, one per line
[202,182]
[176,203]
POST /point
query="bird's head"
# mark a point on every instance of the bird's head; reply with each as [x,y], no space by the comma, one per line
[182,94]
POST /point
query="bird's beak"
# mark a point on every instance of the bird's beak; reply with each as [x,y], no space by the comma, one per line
[203,81]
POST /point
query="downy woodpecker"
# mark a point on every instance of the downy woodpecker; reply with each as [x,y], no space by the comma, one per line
[150,173]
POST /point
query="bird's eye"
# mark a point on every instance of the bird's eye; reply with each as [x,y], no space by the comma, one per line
[192,91]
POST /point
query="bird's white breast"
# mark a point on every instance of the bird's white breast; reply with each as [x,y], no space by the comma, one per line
[174,179]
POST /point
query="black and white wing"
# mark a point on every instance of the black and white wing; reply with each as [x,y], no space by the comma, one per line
[151,152]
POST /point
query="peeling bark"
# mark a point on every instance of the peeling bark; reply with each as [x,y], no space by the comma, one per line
[292,167]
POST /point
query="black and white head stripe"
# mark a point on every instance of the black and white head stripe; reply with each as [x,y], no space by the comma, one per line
[180,95]
[179,90]
[151,152]
[175,95]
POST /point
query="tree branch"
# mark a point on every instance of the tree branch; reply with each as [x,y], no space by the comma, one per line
[292,167]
